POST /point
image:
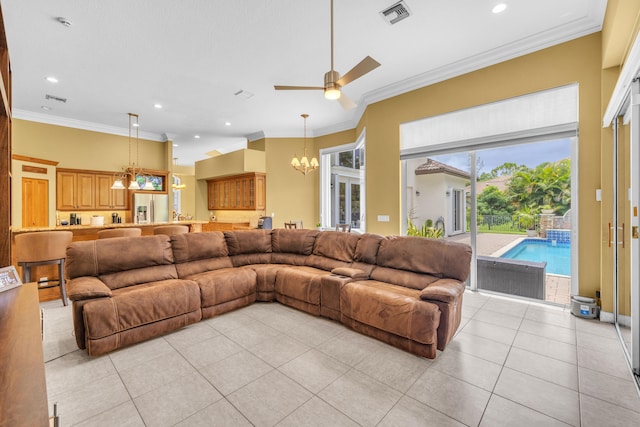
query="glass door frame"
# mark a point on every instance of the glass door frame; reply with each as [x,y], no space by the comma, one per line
[629,111]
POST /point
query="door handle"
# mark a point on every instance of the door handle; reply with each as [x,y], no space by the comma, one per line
[609,235]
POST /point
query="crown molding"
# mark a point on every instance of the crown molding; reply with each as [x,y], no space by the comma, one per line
[80,124]
[578,28]
[338,127]
[554,36]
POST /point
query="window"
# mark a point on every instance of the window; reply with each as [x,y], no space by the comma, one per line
[342,185]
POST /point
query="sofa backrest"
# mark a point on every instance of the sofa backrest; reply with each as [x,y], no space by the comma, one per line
[292,246]
[122,261]
[435,257]
[199,252]
[249,246]
[333,249]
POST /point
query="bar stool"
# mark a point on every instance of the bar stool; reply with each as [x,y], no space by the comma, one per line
[170,230]
[43,248]
[119,232]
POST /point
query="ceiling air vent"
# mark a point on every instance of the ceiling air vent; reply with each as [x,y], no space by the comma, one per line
[55,98]
[396,13]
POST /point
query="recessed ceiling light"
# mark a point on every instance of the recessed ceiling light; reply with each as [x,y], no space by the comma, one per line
[176,145]
[52,79]
[135,125]
[196,136]
[499,8]
[227,123]
[44,107]
[158,106]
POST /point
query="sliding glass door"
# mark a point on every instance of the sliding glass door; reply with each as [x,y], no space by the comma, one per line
[624,248]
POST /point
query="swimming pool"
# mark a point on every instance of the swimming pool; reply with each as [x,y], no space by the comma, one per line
[557,255]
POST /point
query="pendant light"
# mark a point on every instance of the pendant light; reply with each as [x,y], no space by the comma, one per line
[303,165]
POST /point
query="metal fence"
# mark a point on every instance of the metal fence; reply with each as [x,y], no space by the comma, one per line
[504,223]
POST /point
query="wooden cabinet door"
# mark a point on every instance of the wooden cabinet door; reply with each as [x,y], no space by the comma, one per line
[105,197]
[213,195]
[103,192]
[119,199]
[85,191]
[66,191]
[241,192]
[261,192]
[35,202]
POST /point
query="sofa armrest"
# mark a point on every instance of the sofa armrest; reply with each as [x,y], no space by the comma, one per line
[354,273]
[443,290]
[87,287]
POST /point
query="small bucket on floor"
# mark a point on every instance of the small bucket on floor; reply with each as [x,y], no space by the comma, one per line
[584,307]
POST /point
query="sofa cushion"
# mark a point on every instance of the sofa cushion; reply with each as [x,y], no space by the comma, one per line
[367,248]
[404,278]
[336,245]
[95,257]
[135,306]
[139,276]
[300,283]
[248,241]
[393,309]
[187,269]
[225,285]
[196,246]
[437,257]
[293,241]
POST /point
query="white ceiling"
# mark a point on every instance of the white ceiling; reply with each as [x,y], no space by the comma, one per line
[122,56]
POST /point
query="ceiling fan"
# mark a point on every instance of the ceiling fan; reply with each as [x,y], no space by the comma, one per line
[333,83]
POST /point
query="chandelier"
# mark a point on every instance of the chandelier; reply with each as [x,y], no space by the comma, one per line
[303,165]
[132,169]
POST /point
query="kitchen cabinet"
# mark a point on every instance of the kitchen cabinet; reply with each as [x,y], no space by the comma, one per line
[237,192]
[75,190]
[106,198]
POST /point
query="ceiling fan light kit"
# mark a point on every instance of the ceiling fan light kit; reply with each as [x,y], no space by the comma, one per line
[333,83]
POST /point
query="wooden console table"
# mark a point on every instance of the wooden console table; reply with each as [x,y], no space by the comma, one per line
[23,389]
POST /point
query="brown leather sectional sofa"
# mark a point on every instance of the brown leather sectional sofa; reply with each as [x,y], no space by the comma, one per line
[405,291]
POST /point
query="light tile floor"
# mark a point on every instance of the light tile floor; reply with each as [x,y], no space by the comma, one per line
[511,363]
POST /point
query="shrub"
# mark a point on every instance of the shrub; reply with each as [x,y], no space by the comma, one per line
[424,231]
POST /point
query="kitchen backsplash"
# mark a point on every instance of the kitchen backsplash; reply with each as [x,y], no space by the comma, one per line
[86,216]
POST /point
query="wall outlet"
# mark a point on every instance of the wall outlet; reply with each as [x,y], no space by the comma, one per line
[383,218]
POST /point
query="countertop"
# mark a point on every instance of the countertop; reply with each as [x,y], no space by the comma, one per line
[106,225]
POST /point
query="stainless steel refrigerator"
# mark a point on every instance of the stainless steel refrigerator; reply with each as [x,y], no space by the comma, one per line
[150,208]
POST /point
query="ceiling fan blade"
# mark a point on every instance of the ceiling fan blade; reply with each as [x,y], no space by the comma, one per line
[346,102]
[366,65]
[276,87]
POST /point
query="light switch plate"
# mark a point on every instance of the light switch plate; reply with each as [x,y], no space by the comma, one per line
[383,218]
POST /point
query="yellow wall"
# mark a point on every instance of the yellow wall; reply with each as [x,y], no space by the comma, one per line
[83,149]
[575,61]
[291,196]
[233,163]
[619,30]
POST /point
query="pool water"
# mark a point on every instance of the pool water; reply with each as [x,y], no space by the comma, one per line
[557,256]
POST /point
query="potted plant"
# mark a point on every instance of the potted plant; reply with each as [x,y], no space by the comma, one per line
[527,220]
